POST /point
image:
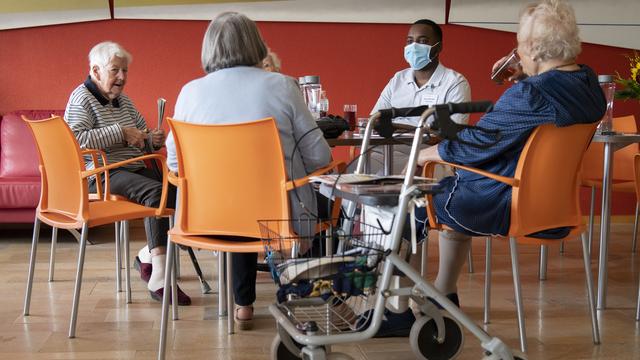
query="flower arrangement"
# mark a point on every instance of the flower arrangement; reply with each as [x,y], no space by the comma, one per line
[630,87]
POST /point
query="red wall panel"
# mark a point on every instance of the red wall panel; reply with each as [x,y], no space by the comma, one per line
[39,67]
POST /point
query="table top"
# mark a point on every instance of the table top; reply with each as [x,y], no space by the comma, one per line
[617,138]
[349,138]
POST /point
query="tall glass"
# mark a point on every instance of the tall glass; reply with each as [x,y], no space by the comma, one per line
[350,115]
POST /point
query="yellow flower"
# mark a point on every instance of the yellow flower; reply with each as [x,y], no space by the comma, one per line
[630,88]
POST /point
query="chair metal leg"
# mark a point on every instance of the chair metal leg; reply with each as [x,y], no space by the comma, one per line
[513,245]
[168,274]
[174,285]
[52,256]
[470,260]
[32,265]
[178,272]
[561,247]
[634,240]
[121,244]
[487,281]
[222,285]
[591,217]
[638,304]
[118,258]
[595,331]
[544,254]
[127,267]
[425,253]
[76,291]
[230,302]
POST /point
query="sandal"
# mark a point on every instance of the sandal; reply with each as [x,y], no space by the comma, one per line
[244,324]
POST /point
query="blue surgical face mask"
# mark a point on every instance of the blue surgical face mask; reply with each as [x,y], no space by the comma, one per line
[418,55]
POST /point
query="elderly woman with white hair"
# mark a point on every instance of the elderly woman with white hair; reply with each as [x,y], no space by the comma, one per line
[271,62]
[102,117]
[556,90]
[236,89]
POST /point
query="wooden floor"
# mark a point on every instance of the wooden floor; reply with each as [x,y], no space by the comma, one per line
[557,321]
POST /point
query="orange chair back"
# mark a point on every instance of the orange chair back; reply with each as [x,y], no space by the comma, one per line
[230,176]
[623,158]
[63,189]
[547,195]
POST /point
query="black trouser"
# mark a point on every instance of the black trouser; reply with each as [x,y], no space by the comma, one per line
[244,265]
[143,187]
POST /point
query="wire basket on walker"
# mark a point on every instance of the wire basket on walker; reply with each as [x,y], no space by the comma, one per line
[333,287]
[326,290]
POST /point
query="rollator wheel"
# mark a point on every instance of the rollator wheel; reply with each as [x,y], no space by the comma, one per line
[279,350]
[423,339]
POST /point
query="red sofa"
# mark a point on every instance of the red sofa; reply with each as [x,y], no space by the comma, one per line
[19,174]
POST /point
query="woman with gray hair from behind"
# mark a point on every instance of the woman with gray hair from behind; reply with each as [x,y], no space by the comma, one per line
[234,90]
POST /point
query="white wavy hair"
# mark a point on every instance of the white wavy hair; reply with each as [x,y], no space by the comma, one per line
[102,53]
[548,30]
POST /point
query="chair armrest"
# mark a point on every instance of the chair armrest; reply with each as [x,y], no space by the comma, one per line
[163,197]
[338,165]
[94,157]
[429,168]
[337,204]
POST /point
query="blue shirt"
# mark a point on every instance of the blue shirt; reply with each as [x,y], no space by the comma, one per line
[476,205]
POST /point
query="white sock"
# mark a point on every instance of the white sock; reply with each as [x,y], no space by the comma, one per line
[157,274]
[144,255]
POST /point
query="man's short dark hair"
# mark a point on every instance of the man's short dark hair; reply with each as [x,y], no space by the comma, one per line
[436,28]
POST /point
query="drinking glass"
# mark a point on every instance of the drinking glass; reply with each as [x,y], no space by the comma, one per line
[362,125]
[350,115]
[507,68]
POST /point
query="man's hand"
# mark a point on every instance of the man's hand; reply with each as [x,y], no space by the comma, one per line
[134,137]
[157,138]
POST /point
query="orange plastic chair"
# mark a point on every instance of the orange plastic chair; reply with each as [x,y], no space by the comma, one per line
[229,177]
[98,195]
[623,177]
[545,195]
[64,199]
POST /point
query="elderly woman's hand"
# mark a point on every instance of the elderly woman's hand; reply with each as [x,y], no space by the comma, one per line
[134,137]
[518,73]
[430,153]
[158,137]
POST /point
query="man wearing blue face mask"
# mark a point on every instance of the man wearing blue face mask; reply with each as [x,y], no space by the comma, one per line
[425,82]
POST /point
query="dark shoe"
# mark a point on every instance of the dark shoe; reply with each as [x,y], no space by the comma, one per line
[393,324]
[453,297]
[183,299]
[144,269]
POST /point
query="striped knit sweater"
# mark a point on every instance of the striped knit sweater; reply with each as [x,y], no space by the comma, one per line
[97,123]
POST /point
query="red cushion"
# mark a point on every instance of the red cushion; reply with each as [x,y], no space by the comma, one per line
[17,215]
[19,192]
[18,153]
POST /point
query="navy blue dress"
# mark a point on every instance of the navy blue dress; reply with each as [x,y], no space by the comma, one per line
[476,205]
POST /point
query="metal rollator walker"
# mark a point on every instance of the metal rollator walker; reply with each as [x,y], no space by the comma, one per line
[357,270]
